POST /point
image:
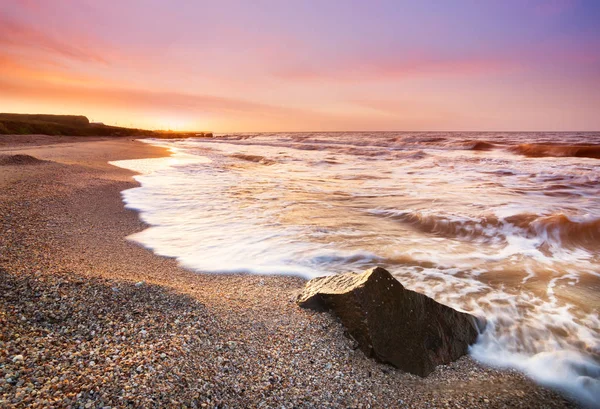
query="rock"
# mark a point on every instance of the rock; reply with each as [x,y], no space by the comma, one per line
[392,324]
[17,358]
[139,284]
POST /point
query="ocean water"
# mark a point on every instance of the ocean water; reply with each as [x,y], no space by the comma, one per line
[503,225]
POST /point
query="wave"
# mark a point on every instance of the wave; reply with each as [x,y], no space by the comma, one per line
[556,230]
[444,143]
[254,158]
[568,232]
[533,150]
[409,155]
[479,145]
[534,144]
[445,226]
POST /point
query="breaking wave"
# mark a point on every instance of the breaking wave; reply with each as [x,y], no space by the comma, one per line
[479,145]
[557,151]
[556,230]
[254,158]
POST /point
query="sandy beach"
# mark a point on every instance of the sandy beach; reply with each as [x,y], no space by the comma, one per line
[92,320]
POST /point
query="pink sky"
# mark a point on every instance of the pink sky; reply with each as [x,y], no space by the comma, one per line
[305,65]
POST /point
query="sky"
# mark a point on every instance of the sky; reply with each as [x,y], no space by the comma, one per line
[306,65]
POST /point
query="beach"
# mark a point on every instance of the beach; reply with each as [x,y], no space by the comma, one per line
[90,319]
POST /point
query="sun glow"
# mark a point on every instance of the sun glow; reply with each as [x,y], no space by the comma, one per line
[174,124]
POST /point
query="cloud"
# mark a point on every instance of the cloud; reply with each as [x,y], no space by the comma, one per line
[231,114]
[20,68]
[136,99]
[19,35]
[396,68]
[407,108]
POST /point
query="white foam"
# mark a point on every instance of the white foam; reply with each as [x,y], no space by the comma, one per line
[151,165]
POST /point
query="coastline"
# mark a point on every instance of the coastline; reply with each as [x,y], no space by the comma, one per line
[74,291]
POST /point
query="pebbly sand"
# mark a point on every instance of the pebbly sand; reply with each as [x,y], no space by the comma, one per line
[88,319]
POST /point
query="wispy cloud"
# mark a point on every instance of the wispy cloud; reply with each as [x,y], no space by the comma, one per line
[19,35]
[24,69]
[397,68]
[235,114]
[140,99]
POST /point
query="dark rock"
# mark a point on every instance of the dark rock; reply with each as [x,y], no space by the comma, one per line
[392,324]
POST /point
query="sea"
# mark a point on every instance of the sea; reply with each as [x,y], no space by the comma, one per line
[501,225]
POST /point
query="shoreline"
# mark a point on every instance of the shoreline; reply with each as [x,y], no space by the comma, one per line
[75,292]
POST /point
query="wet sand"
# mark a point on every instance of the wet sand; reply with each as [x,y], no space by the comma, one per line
[91,320]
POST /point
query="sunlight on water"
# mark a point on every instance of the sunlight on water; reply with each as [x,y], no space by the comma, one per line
[506,226]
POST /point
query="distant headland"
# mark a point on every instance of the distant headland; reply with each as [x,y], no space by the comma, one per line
[77,125]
